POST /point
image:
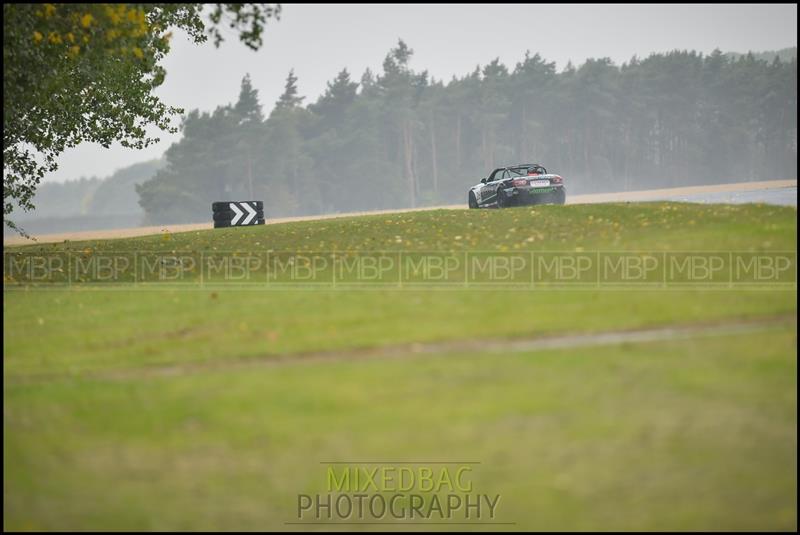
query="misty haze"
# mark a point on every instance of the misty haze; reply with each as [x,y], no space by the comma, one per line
[513,267]
[398,137]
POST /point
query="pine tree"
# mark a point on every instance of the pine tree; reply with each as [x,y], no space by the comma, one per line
[338,96]
[289,98]
[248,135]
[248,108]
[400,139]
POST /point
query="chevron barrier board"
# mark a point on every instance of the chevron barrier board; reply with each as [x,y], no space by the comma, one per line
[223,206]
[237,213]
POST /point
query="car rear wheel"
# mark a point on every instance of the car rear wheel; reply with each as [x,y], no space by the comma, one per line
[502,200]
[471,200]
[560,196]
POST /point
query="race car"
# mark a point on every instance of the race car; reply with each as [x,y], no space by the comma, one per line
[517,185]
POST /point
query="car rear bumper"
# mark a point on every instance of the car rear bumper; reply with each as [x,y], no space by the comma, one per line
[524,194]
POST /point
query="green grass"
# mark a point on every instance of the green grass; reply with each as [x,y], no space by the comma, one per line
[662,226]
[70,331]
[697,434]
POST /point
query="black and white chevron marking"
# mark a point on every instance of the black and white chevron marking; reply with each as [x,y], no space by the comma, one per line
[237,213]
[222,206]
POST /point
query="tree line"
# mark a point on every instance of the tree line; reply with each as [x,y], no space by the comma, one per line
[88,203]
[75,73]
[400,138]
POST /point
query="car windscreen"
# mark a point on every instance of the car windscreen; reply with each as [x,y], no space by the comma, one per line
[531,169]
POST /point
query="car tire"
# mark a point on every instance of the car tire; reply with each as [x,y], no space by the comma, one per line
[560,196]
[472,201]
[502,200]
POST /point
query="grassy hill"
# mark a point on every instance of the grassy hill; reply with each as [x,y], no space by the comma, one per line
[178,406]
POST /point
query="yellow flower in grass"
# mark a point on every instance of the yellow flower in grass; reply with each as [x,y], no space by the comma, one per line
[87,20]
[37,37]
[112,15]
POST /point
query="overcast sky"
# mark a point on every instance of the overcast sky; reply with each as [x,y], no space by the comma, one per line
[319,40]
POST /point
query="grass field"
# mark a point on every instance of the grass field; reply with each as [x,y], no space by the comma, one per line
[696,433]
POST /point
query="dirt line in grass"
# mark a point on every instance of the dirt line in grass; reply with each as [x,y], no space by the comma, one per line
[496,346]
